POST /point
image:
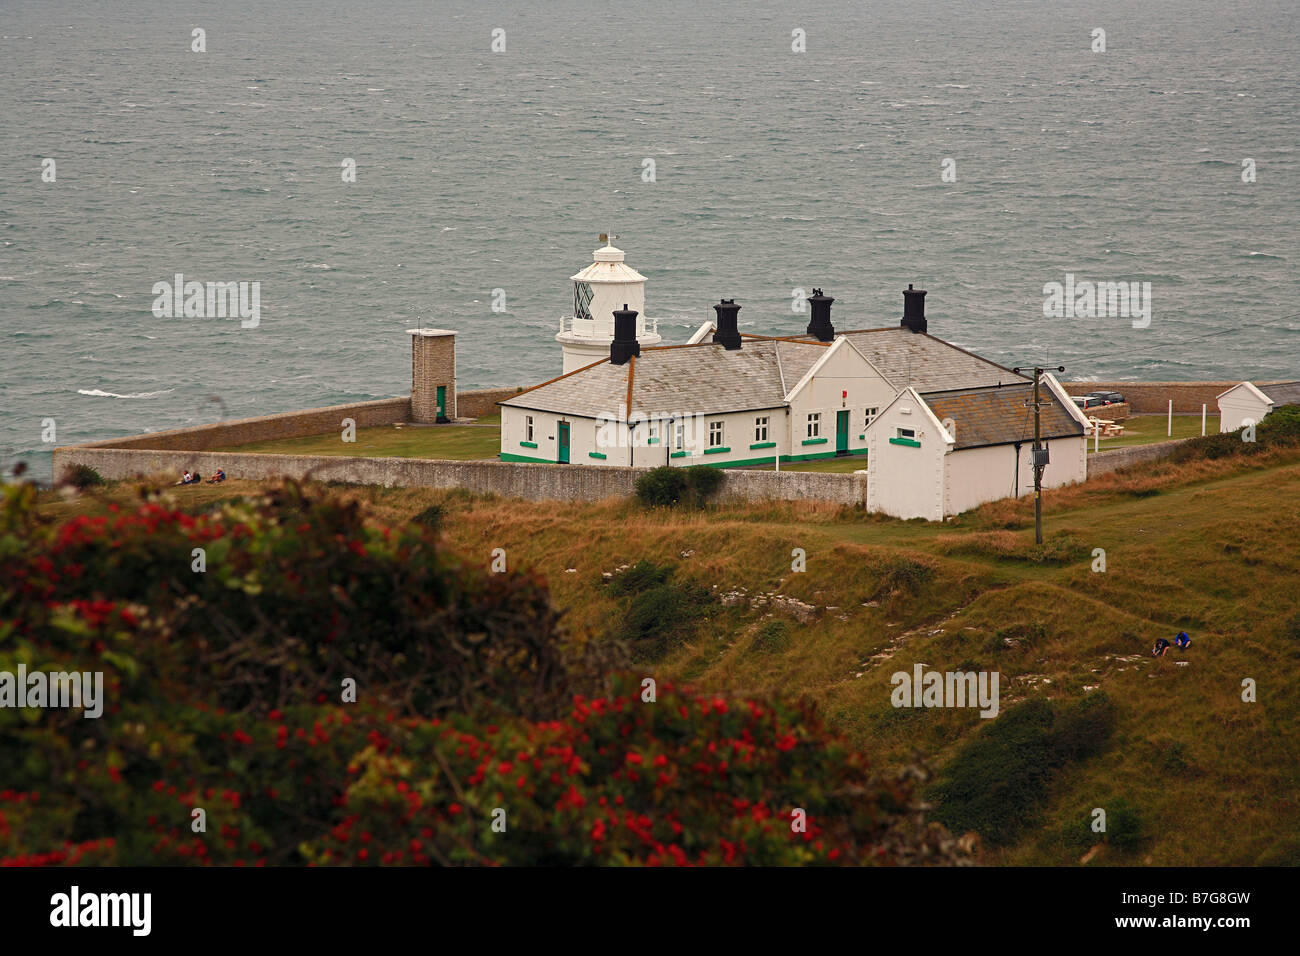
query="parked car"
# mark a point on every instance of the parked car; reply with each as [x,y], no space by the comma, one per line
[1107,398]
[1086,402]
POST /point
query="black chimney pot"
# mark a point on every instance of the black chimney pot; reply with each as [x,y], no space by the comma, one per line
[914,309]
[820,325]
[727,334]
[625,344]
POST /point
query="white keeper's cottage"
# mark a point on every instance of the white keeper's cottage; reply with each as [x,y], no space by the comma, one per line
[941,430]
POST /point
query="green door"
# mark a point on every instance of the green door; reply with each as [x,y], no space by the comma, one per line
[842,432]
[442,401]
[563,458]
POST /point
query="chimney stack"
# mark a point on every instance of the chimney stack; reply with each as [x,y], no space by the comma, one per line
[727,334]
[820,325]
[625,344]
[914,309]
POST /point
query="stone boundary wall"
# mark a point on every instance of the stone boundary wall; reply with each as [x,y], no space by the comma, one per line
[1118,412]
[241,431]
[1099,463]
[300,424]
[1152,397]
[508,479]
[482,401]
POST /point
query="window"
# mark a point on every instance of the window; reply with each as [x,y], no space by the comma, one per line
[679,436]
[871,416]
[814,424]
[529,428]
[908,433]
[582,300]
[760,429]
[715,434]
[653,435]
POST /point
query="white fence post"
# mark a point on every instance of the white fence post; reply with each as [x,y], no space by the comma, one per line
[1170,432]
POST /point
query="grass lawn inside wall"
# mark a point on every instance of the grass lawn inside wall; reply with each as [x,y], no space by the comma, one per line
[1148,429]
[481,440]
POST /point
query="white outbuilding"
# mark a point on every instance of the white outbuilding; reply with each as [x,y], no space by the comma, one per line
[939,453]
[1248,404]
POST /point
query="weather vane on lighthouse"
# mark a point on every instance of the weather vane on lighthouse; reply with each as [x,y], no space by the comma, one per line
[607,239]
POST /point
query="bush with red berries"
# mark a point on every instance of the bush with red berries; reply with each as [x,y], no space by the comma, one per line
[479,735]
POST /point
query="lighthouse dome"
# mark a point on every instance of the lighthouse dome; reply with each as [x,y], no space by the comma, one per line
[608,266]
[609,283]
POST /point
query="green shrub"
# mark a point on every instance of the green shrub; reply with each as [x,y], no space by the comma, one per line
[660,618]
[1125,831]
[702,483]
[665,486]
[1126,828]
[661,487]
[641,576]
[772,638]
[1082,729]
[998,782]
[81,477]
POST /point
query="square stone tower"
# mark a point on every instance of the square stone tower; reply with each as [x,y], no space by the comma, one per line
[433,375]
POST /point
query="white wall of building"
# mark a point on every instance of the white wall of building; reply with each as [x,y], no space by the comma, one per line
[903,480]
[621,447]
[843,369]
[1241,403]
[937,480]
[976,475]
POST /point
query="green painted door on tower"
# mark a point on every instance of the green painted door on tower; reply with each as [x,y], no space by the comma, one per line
[563,458]
[842,432]
[442,400]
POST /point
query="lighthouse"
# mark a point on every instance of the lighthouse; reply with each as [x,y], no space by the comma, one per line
[608,284]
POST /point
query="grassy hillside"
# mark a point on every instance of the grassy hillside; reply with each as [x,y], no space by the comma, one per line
[1193,774]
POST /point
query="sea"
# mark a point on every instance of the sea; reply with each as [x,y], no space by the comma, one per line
[979,149]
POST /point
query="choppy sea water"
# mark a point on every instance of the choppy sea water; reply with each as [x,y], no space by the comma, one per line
[479,171]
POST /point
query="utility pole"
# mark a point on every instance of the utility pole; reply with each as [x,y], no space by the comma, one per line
[1040,454]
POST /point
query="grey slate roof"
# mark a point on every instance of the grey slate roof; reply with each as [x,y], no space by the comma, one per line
[999,416]
[708,378]
[683,379]
[1286,393]
[925,362]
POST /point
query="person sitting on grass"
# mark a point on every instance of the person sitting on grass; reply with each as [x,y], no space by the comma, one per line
[185,479]
[1183,641]
[1162,645]
[217,476]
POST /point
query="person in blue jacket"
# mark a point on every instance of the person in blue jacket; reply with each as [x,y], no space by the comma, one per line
[1183,641]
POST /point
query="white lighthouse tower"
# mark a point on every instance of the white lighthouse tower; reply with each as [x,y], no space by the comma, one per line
[607,284]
